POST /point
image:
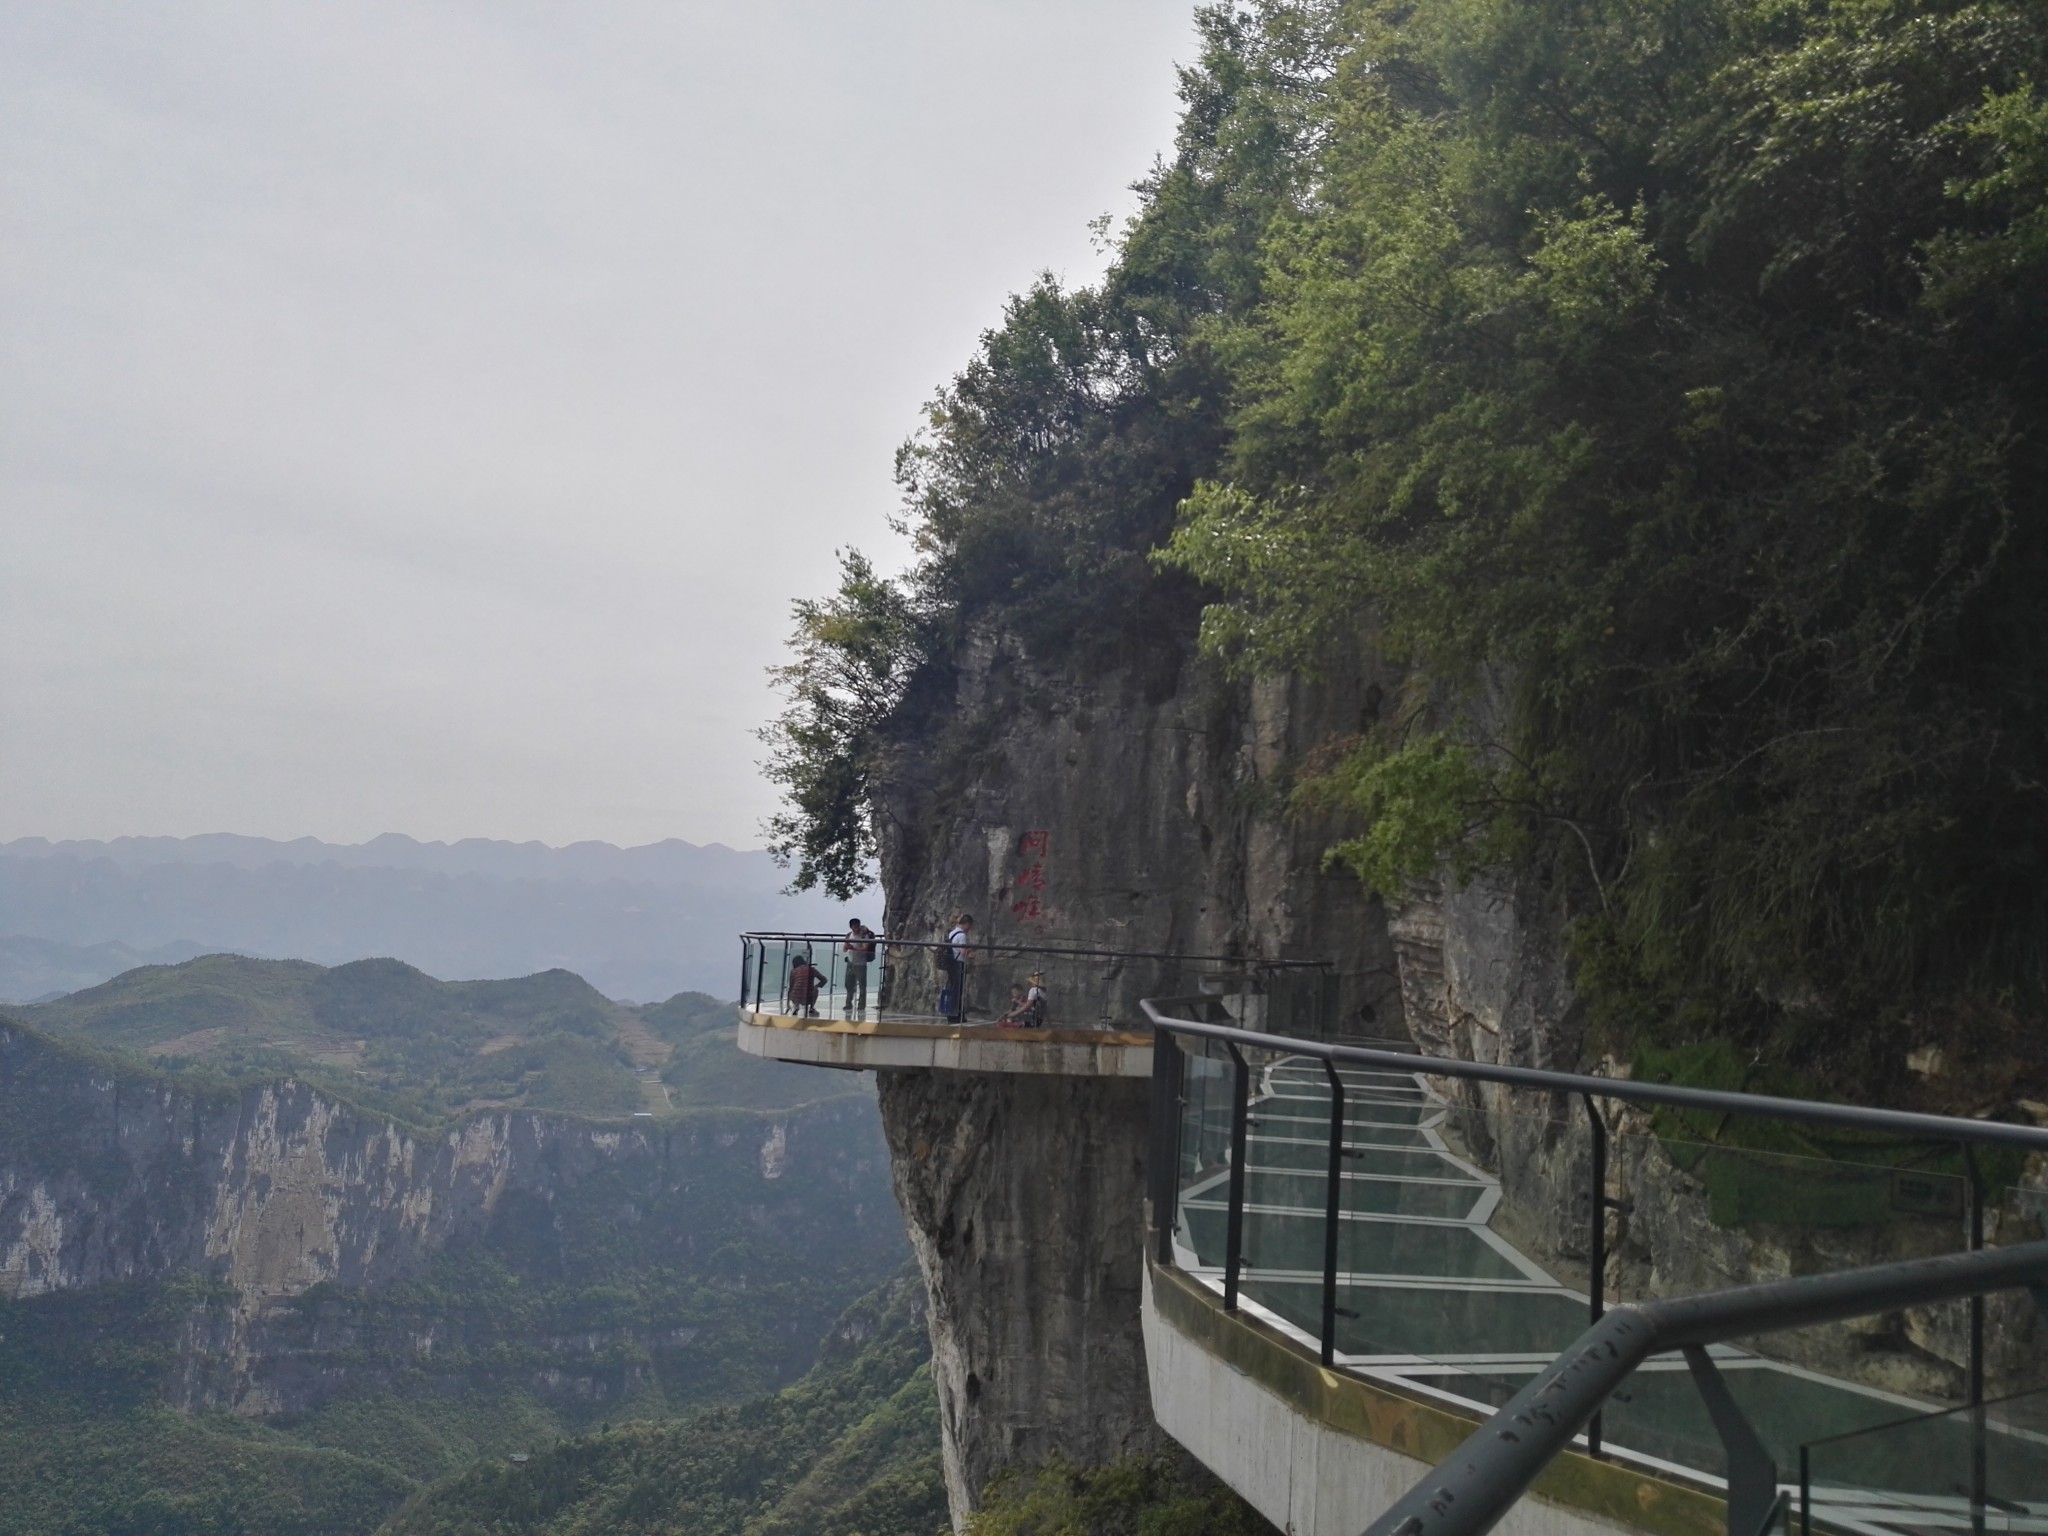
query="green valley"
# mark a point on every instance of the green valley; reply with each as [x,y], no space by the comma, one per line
[281,1245]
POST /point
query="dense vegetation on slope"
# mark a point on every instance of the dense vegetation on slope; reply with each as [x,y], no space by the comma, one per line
[851,1448]
[611,1291]
[381,1034]
[86,1448]
[1664,382]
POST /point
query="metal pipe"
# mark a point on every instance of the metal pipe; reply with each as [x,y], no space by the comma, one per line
[1596,1244]
[1233,1231]
[1241,962]
[1481,1480]
[1979,1477]
[1893,1121]
[1166,1117]
[1333,1210]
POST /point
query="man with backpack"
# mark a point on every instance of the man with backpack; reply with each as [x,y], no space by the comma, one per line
[860,949]
[954,957]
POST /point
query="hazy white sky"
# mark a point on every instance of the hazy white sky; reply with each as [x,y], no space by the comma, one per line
[418,417]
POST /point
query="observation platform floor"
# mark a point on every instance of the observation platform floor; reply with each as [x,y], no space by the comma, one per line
[875,1042]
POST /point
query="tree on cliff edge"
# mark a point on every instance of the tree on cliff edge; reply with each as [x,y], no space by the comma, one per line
[1664,382]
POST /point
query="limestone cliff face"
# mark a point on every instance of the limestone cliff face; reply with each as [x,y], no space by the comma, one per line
[1484,979]
[1023,1200]
[1136,810]
[108,1175]
[1143,809]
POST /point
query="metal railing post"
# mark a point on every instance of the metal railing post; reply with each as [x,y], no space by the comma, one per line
[1233,1231]
[1166,1117]
[1482,1479]
[746,955]
[1333,1208]
[1979,1473]
[760,975]
[1596,1245]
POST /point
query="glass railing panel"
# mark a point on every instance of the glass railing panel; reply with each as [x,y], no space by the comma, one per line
[1983,1468]
[1425,1284]
[1698,1215]
[1207,1088]
[1284,1230]
[1464,1239]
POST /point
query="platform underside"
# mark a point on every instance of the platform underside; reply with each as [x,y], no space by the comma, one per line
[894,1046]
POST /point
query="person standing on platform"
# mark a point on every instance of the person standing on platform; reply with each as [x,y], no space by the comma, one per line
[958,943]
[860,949]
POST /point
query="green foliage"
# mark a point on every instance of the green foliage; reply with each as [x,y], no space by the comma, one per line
[856,654]
[149,1471]
[1665,383]
[1759,1171]
[850,1449]
[86,1448]
[391,1039]
[1049,467]
[1138,1496]
[641,1287]
[1429,799]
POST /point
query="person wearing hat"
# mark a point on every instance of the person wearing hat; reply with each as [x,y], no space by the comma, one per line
[1027,1005]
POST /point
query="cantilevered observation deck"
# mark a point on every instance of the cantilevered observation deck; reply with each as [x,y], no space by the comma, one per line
[1343,1293]
[1091,1024]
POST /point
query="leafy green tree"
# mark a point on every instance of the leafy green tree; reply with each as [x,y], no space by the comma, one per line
[856,654]
[1665,382]
[1050,467]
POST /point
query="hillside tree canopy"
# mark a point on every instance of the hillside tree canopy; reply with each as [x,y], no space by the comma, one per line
[1663,382]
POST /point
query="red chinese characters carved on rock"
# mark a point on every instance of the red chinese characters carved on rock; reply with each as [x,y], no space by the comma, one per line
[1030,886]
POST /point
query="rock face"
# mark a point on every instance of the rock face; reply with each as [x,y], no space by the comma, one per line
[1145,808]
[1023,1199]
[1483,979]
[1138,810]
[278,1192]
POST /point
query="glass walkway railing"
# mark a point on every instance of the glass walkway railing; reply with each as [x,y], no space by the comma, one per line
[881,979]
[1982,1468]
[1363,1212]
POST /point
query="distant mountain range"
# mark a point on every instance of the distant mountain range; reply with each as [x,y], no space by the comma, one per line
[640,924]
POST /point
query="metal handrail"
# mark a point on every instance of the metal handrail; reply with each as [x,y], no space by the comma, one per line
[1481,1480]
[982,946]
[1859,1117]
[1752,1478]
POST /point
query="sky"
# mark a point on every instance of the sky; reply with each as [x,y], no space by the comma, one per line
[420,417]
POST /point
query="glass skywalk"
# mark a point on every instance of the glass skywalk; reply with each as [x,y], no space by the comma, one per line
[1433,1294]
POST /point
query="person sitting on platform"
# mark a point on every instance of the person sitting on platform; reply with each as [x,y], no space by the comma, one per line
[1027,1006]
[805,983]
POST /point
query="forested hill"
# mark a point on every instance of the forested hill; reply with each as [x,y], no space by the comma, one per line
[852,1448]
[391,1038]
[245,1289]
[1663,388]
[639,923]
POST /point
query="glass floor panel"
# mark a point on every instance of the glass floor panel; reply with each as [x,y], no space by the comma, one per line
[1439,1300]
[1363,1247]
[1317,1112]
[1382,1196]
[1305,1153]
[1431,1321]
[1658,1411]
